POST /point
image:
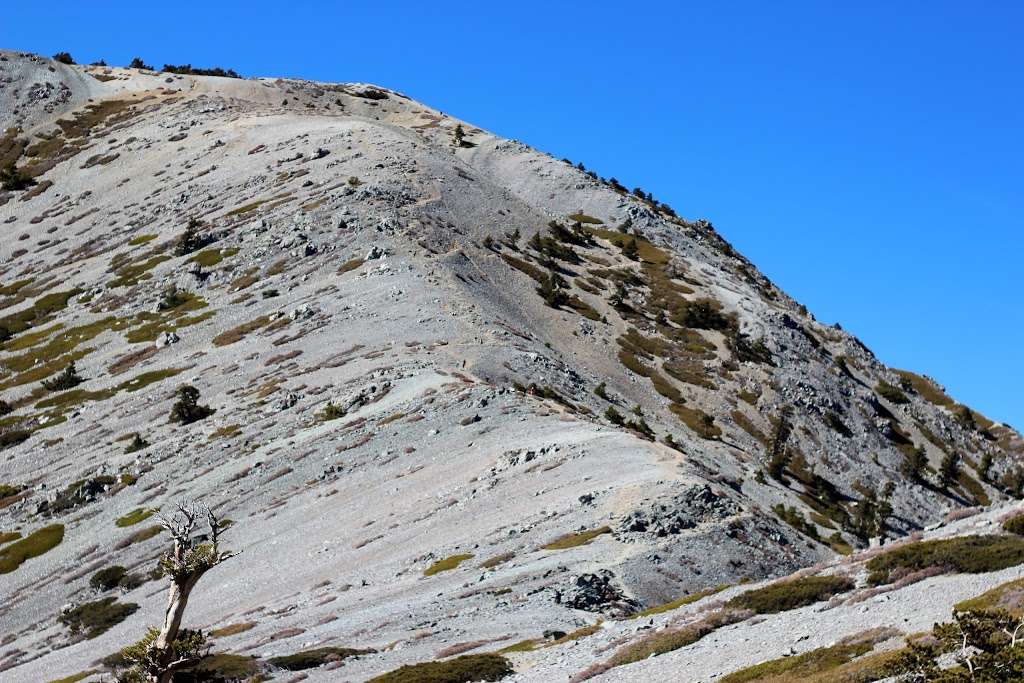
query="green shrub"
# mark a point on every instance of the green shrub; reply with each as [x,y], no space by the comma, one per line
[891,393]
[33,545]
[92,619]
[63,58]
[464,669]
[308,659]
[666,640]
[107,578]
[12,437]
[137,444]
[186,409]
[68,379]
[137,63]
[1015,525]
[787,595]
[967,554]
[818,666]
[13,179]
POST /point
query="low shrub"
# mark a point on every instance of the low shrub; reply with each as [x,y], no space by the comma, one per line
[967,554]
[1015,525]
[63,58]
[107,578]
[186,409]
[92,619]
[309,659]
[68,379]
[891,393]
[787,595]
[464,669]
[134,517]
[669,639]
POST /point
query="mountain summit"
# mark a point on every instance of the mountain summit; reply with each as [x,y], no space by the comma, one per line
[453,395]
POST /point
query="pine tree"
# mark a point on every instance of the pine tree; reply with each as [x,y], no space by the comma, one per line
[914,463]
[190,240]
[630,250]
[186,409]
[949,470]
[985,467]
[551,290]
[69,379]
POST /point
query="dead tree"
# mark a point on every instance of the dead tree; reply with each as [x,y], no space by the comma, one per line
[171,648]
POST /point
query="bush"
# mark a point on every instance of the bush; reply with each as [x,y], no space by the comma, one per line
[92,619]
[12,437]
[68,379]
[891,393]
[967,554]
[107,578]
[446,564]
[137,63]
[1015,525]
[13,179]
[308,659]
[186,409]
[787,595]
[189,70]
[464,669]
[190,240]
[63,58]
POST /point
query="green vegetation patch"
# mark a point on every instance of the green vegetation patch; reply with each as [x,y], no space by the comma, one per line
[133,273]
[134,517]
[38,313]
[74,678]
[681,602]
[446,564]
[35,544]
[928,390]
[309,659]
[822,664]
[787,595]
[8,536]
[891,393]
[208,258]
[966,554]
[1008,596]
[666,640]
[141,239]
[95,618]
[464,669]
[574,540]
[232,629]
[239,332]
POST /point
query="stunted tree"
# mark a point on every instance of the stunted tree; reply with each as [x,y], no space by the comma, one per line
[68,379]
[171,648]
[949,470]
[190,240]
[186,409]
[12,178]
[459,136]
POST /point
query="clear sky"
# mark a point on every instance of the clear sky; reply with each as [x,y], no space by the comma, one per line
[869,158]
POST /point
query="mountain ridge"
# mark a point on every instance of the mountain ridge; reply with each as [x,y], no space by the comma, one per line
[515,354]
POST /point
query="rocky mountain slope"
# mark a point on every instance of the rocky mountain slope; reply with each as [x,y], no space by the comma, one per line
[465,394]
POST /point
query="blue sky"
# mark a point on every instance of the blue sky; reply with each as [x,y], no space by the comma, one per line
[868,158]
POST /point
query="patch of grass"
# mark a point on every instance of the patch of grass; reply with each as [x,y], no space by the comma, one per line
[464,669]
[446,564]
[225,432]
[246,208]
[822,664]
[527,645]
[133,273]
[681,602]
[39,312]
[139,536]
[95,618]
[492,562]
[928,390]
[666,640]
[222,668]
[35,544]
[787,595]
[141,239]
[108,578]
[208,258]
[166,322]
[309,659]
[702,424]
[578,634]
[585,219]
[1008,596]
[8,536]
[13,437]
[74,678]
[232,629]
[349,265]
[239,332]
[966,554]
[134,517]
[246,279]
[575,540]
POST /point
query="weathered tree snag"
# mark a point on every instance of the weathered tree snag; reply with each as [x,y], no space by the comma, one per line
[172,648]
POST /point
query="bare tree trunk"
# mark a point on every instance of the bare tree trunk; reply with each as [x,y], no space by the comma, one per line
[177,601]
